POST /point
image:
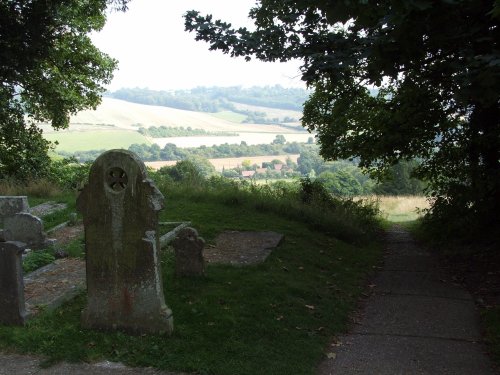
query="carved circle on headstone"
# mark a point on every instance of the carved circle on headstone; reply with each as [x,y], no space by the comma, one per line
[116,179]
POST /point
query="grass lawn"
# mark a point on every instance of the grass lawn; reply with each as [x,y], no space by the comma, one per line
[95,140]
[273,318]
[230,116]
[401,208]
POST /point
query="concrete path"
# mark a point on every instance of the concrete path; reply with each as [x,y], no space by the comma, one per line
[415,322]
[15,364]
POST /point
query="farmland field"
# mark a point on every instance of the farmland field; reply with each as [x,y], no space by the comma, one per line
[229,162]
[230,116]
[95,140]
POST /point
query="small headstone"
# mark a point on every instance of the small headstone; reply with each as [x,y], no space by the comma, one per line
[12,304]
[188,248]
[120,208]
[11,205]
[25,227]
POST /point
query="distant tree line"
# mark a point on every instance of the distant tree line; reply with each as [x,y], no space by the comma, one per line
[171,152]
[340,177]
[165,132]
[215,99]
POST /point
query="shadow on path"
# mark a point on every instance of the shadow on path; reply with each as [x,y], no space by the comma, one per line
[414,322]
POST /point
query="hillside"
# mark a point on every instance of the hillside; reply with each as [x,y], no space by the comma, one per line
[115,124]
[131,116]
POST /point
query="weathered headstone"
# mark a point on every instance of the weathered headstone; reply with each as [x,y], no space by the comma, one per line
[25,227]
[120,208]
[188,247]
[11,205]
[12,310]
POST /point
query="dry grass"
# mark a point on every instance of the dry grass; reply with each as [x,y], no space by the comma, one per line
[400,208]
[40,188]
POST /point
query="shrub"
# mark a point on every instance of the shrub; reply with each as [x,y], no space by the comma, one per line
[69,174]
[37,259]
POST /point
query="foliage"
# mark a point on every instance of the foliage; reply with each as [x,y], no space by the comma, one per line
[49,69]
[436,65]
[69,174]
[183,171]
[279,140]
[37,259]
[170,151]
[340,183]
[399,180]
[215,99]
[164,131]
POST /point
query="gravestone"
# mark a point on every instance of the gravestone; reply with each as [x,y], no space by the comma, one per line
[11,205]
[188,249]
[120,208]
[25,227]
[12,304]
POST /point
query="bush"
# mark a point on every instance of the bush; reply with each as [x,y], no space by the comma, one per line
[69,174]
[305,201]
[37,259]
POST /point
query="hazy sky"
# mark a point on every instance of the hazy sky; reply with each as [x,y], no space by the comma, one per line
[154,51]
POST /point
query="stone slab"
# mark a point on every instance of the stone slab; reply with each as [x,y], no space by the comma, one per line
[54,284]
[47,208]
[389,355]
[242,248]
[418,283]
[15,364]
[419,316]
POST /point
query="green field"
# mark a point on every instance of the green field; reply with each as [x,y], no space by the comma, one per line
[95,140]
[230,116]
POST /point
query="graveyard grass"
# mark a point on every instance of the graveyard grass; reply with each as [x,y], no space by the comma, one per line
[274,318]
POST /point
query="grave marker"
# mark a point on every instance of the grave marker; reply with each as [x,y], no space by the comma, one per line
[11,205]
[12,304]
[120,208]
[188,247]
[25,227]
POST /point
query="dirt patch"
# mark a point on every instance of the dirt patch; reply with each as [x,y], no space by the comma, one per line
[242,248]
[65,235]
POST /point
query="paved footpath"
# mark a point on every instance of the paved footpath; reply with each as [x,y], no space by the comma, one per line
[415,322]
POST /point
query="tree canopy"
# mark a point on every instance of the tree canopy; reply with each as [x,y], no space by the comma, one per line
[49,69]
[435,65]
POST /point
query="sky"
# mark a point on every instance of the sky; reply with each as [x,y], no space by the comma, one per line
[155,52]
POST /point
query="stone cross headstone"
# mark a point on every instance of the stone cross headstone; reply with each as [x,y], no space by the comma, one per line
[120,208]
[12,305]
[188,247]
[25,227]
[11,205]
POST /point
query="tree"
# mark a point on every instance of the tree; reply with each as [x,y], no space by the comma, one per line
[340,183]
[49,69]
[309,160]
[399,181]
[436,69]
[279,140]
